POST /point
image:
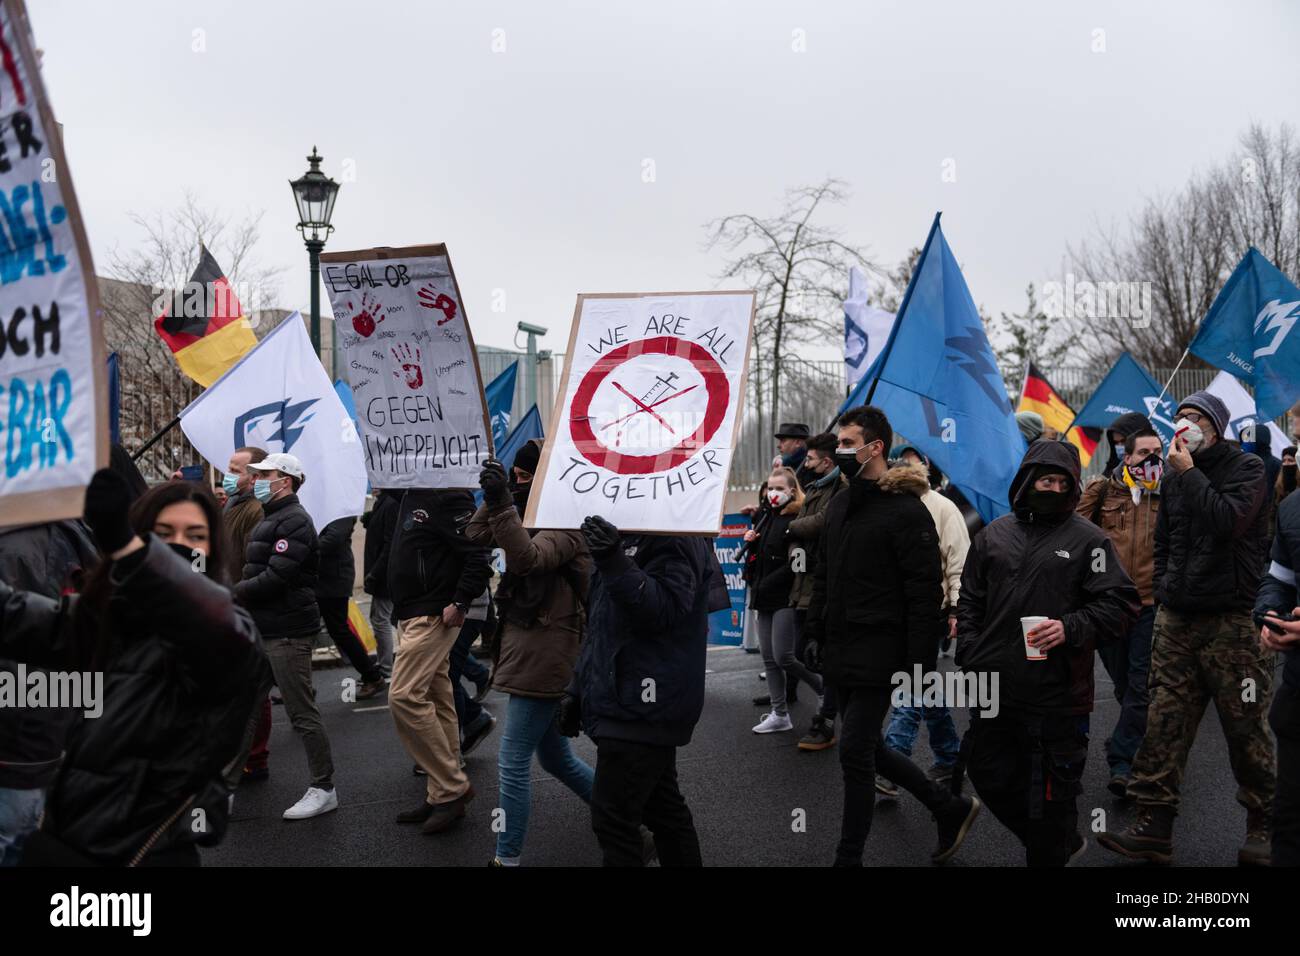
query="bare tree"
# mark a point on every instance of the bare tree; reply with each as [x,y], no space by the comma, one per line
[798,269]
[1185,247]
[138,288]
[1031,336]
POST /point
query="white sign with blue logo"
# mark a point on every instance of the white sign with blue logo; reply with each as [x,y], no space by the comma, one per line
[53,393]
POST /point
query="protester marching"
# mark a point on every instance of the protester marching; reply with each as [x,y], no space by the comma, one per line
[375,608]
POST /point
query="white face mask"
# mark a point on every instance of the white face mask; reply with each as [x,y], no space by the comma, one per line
[1191,434]
[779,499]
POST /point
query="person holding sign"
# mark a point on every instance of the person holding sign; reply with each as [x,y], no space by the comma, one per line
[540,603]
[638,689]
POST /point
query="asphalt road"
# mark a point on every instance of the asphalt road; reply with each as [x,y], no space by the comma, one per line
[743,789]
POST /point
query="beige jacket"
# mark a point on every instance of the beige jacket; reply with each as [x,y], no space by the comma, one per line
[954,539]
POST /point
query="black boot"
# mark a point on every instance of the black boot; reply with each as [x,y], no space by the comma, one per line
[1151,838]
[1258,848]
[954,820]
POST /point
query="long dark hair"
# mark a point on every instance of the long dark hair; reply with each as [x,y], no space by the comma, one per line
[98,639]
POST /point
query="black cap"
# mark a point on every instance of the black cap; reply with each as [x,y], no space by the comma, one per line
[527,457]
[793,430]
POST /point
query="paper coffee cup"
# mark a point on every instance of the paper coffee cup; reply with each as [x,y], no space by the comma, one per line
[1027,624]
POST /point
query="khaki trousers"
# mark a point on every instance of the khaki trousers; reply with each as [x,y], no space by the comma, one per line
[423,706]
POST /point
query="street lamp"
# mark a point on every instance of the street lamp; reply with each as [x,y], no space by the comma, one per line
[314,193]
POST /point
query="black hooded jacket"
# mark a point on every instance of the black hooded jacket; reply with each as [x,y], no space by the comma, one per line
[175,702]
[1060,566]
[1211,535]
[1126,425]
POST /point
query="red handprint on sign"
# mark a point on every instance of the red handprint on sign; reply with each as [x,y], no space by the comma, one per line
[411,372]
[371,314]
[431,298]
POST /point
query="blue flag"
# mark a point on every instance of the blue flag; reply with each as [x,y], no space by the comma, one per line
[939,383]
[500,394]
[1247,333]
[529,427]
[1128,387]
[114,400]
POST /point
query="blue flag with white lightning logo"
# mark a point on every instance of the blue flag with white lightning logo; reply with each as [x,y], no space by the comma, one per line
[500,394]
[940,386]
[1248,333]
[529,427]
[1128,387]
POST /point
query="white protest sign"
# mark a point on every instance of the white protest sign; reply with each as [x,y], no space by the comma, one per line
[649,413]
[411,364]
[53,395]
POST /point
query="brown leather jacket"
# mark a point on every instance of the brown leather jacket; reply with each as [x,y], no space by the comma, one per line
[537,661]
[1131,528]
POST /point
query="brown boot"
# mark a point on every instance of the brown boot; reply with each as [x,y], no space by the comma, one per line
[1150,838]
[1258,848]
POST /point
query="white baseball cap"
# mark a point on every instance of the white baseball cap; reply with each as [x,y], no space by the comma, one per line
[282,462]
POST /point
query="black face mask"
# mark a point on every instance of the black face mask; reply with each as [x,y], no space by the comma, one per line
[1047,502]
[186,553]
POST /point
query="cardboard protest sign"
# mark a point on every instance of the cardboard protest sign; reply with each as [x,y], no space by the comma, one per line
[53,391]
[649,413]
[411,365]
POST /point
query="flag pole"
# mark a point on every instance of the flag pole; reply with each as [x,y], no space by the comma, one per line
[154,440]
[1171,377]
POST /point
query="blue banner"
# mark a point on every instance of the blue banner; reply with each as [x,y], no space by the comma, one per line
[1247,333]
[114,400]
[500,394]
[728,625]
[1128,387]
[950,401]
[529,427]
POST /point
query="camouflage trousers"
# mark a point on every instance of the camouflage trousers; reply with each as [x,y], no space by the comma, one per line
[1196,659]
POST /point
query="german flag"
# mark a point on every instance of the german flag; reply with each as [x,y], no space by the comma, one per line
[205,327]
[1039,396]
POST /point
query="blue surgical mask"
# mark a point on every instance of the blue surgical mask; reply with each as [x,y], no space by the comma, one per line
[230,484]
[262,489]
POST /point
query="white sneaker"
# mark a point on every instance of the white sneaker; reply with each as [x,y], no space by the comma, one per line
[774,723]
[313,803]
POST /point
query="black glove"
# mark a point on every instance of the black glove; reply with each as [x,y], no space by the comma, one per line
[602,538]
[108,499]
[568,716]
[495,484]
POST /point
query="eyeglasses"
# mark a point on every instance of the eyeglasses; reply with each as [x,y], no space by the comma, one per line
[1194,417]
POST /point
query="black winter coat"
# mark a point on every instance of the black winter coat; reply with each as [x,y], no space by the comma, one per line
[280,570]
[1211,533]
[771,576]
[1062,567]
[49,559]
[878,584]
[1277,588]
[432,563]
[640,673]
[380,524]
[176,699]
[338,568]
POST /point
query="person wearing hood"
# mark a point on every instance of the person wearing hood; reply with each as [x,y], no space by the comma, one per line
[876,615]
[1286,475]
[805,533]
[1025,750]
[1125,505]
[1117,438]
[909,465]
[1209,556]
[540,603]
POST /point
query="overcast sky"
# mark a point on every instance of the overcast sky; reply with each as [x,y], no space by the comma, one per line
[529,162]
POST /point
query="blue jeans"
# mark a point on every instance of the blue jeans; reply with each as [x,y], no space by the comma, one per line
[1127,661]
[905,725]
[530,729]
[20,811]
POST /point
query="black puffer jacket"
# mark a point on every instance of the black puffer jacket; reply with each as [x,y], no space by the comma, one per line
[640,673]
[338,568]
[280,570]
[432,563]
[878,584]
[1211,532]
[1061,567]
[49,559]
[380,523]
[176,699]
[770,574]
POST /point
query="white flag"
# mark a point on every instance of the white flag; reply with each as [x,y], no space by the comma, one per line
[1241,411]
[866,329]
[279,398]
